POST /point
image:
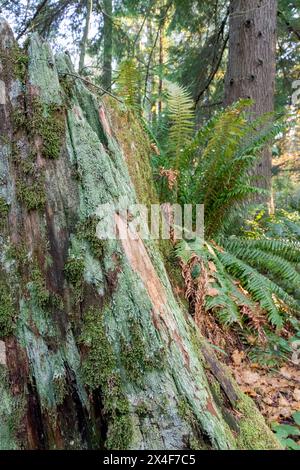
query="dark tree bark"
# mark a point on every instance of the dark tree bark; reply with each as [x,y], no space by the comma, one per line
[251,63]
[108,41]
[95,351]
[161,63]
[89,9]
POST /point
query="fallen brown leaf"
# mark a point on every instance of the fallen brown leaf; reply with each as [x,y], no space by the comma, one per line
[237,357]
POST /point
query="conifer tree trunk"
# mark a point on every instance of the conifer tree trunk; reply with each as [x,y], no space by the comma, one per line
[108,38]
[251,63]
[95,351]
[89,9]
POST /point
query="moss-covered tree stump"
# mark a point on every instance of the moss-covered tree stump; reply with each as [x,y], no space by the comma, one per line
[95,351]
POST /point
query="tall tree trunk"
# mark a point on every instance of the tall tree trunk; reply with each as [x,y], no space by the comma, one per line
[161,60]
[89,9]
[251,63]
[161,63]
[150,82]
[108,38]
[95,351]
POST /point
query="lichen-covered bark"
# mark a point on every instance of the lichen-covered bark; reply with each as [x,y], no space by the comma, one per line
[95,351]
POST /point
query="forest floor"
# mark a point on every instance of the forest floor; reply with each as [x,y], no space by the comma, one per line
[275,390]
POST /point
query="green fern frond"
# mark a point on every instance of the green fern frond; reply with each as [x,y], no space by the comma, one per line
[181,114]
[266,262]
[216,167]
[225,308]
[262,289]
[128,83]
[287,249]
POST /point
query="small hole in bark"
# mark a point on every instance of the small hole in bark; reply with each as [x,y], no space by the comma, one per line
[231,82]
[248,23]
[259,35]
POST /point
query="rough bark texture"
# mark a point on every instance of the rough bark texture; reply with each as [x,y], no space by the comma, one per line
[95,350]
[89,9]
[251,63]
[107,39]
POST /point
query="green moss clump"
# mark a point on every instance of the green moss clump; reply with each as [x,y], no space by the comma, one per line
[137,150]
[60,389]
[74,270]
[15,62]
[134,355]
[4,207]
[19,59]
[142,410]
[4,210]
[27,166]
[30,182]
[42,296]
[48,122]
[19,120]
[86,230]
[32,195]
[100,372]
[52,131]
[183,408]
[67,84]
[119,433]
[254,434]
[7,310]
[18,253]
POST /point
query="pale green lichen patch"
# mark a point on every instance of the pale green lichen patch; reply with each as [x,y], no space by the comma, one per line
[42,72]
[196,439]
[48,357]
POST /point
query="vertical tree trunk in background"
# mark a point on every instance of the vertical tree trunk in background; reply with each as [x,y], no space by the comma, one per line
[161,59]
[150,83]
[108,39]
[161,63]
[89,9]
[251,63]
[95,350]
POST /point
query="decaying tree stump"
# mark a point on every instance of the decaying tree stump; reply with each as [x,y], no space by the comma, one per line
[95,351]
